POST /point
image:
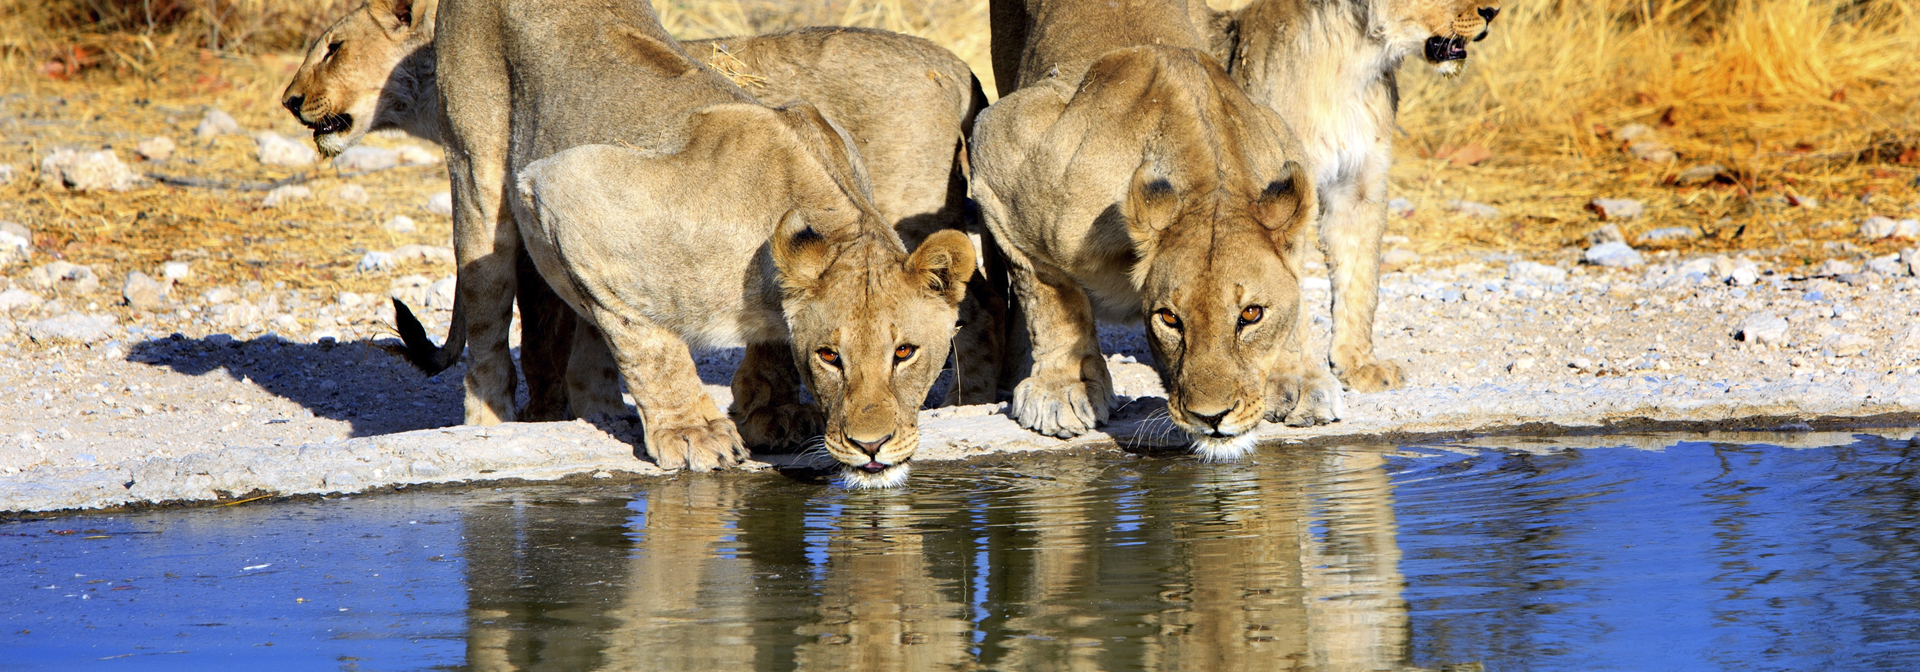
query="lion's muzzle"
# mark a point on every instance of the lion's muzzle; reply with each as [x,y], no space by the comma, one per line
[1444,49]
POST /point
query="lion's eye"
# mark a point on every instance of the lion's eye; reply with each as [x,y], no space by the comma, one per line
[332,48]
[1251,314]
[829,356]
[904,353]
[1167,317]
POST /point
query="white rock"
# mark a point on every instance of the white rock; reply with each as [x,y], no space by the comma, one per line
[1703,266]
[219,295]
[1846,345]
[1700,174]
[142,292]
[1743,276]
[18,298]
[1833,267]
[361,158]
[156,148]
[1617,208]
[63,277]
[217,122]
[1400,207]
[1613,255]
[1906,229]
[16,244]
[1911,257]
[1887,265]
[1398,258]
[279,150]
[73,327]
[1606,234]
[410,288]
[1580,363]
[6,173]
[424,253]
[349,300]
[1876,228]
[376,261]
[1653,151]
[400,224]
[1527,271]
[1521,364]
[1472,209]
[176,270]
[1632,132]
[285,194]
[415,155]
[1669,235]
[88,171]
[350,193]
[285,324]
[236,315]
[441,204]
[1763,328]
[441,293]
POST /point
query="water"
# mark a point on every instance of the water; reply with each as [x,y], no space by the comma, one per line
[1733,552]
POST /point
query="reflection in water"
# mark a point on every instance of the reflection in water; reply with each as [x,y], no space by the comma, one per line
[1069,563]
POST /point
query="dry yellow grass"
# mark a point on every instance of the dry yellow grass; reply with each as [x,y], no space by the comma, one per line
[1802,98]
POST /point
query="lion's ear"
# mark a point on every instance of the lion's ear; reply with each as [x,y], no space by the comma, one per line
[1151,203]
[401,12]
[1288,204]
[799,252]
[945,262]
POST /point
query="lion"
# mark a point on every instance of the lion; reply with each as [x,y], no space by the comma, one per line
[1127,176]
[1328,69]
[905,101]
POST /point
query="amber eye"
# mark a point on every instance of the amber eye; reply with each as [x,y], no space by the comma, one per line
[1251,314]
[829,356]
[904,353]
[1166,317]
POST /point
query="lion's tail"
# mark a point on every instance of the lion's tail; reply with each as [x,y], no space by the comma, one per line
[420,350]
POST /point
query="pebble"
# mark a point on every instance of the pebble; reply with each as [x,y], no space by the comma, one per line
[1743,276]
[1911,257]
[1875,228]
[1521,364]
[1652,151]
[1472,209]
[157,148]
[1906,229]
[1398,258]
[1763,328]
[279,150]
[1611,209]
[176,270]
[63,277]
[16,244]
[18,298]
[1606,234]
[350,193]
[424,253]
[1846,345]
[400,224]
[89,171]
[1887,265]
[1527,271]
[1400,207]
[142,292]
[1632,132]
[6,173]
[217,122]
[374,262]
[441,204]
[440,294]
[1701,174]
[1835,268]
[1580,363]
[1613,255]
[415,155]
[361,158]
[285,194]
[236,315]
[219,295]
[73,327]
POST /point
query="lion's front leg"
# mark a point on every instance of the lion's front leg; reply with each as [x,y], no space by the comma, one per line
[1070,391]
[683,428]
[1301,392]
[766,399]
[1350,233]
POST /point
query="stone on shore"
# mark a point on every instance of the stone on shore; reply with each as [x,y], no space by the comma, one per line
[217,122]
[279,150]
[1763,328]
[88,171]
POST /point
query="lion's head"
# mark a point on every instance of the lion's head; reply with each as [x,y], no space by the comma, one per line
[870,326]
[1442,27]
[353,78]
[1219,283]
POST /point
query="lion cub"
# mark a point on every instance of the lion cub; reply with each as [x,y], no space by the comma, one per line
[1328,69]
[1128,177]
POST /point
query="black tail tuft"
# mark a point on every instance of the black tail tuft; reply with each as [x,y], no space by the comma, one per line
[420,350]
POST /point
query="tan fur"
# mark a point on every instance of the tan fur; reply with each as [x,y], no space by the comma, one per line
[905,102]
[1327,67]
[1128,177]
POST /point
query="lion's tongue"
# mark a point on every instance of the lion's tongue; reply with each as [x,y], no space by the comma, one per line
[874,467]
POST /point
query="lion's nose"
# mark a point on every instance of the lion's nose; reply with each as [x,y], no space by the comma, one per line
[1488,13]
[293,103]
[1213,421]
[871,448]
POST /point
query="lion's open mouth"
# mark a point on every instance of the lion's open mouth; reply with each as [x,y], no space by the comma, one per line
[331,124]
[1443,49]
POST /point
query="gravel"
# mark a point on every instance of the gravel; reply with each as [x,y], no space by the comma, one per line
[271,391]
[217,122]
[86,171]
[279,150]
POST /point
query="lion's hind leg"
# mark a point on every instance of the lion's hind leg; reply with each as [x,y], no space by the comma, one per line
[1350,233]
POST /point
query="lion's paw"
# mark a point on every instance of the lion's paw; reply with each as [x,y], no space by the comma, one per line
[700,447]
[1305,400]
[1061,408]
[1376,376]
[781,426]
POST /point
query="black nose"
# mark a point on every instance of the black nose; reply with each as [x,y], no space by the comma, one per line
[871,448]
[1443,49]
[1213,421]
[1488,13]
[293,103]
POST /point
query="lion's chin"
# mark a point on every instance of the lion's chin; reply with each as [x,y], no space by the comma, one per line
[860,479]
[1449,68]
[1227,449]
[332,144]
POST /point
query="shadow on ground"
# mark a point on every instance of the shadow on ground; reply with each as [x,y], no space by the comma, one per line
[355,382]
